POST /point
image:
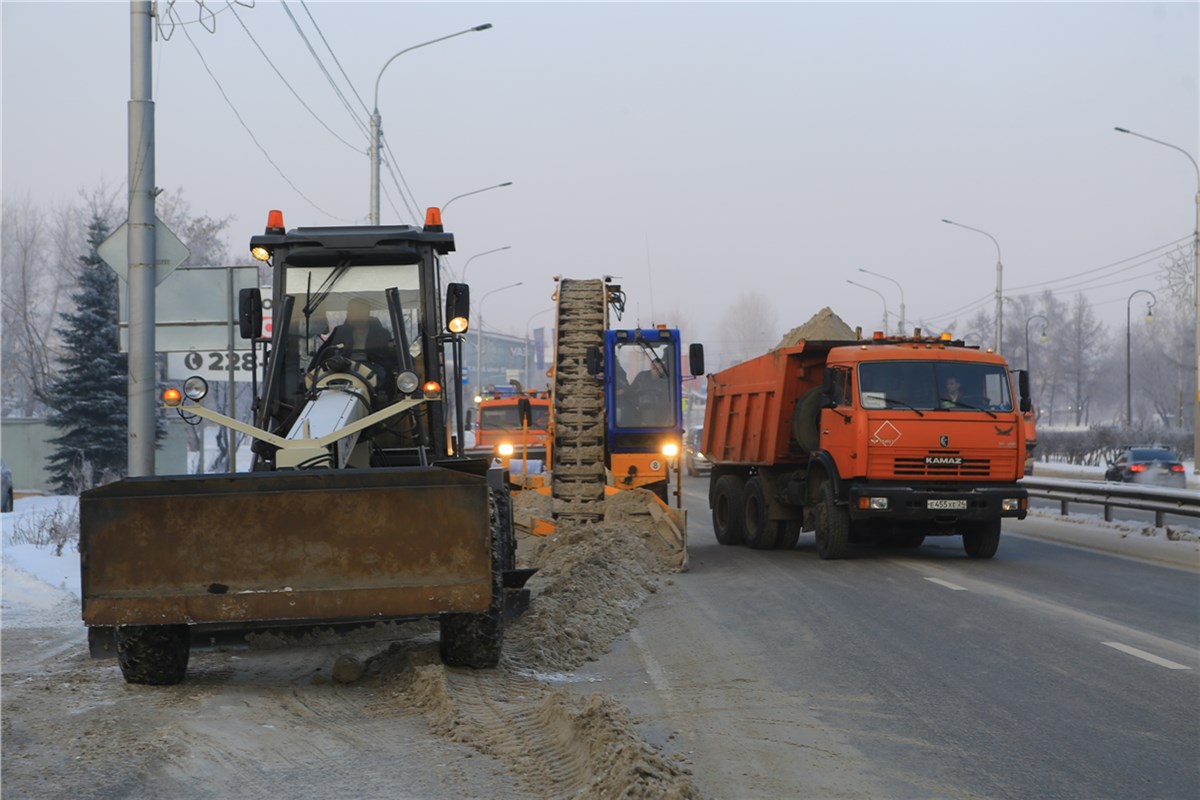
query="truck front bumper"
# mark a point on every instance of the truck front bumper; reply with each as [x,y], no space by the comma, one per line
[941,503]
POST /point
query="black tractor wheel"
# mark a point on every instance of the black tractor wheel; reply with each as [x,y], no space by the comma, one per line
[476,640]
[155,655]
[760,532]
[727,510]
[787,533]
[833,526]
[981,539]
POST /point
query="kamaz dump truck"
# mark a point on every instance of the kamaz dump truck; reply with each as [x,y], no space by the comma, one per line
[360,506]
[887,440]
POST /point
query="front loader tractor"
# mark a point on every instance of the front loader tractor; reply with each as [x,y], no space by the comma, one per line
[361,505]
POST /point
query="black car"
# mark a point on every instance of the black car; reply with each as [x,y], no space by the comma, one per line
[6,489]
[1152,465]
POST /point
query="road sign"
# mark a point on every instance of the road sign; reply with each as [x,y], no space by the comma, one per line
[169,252]
[212,365]
[195,308]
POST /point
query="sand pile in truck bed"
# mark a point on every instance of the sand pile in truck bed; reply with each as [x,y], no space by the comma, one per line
[591,579]
[823,325]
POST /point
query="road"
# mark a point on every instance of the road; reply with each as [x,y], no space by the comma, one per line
[1050,671]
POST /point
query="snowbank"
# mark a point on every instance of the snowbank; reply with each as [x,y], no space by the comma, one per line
[38,586]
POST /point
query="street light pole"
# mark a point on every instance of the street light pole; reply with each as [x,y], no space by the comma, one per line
[463,279]
[1195,298]
[881,297]
[999,280]
[446,204]
[1128,350]
[479,333]
[1028,358]
[903,318]
[527,323]
[376,126]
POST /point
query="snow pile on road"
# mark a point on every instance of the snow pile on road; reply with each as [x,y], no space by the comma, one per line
[40,573]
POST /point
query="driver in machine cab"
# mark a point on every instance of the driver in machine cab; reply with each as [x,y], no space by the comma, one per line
[360,337]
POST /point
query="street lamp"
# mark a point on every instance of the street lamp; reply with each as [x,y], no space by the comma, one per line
[1195,298]
[479,333]
[1128,380]
[527,323]
[999,280]
[881,297]
[463,279]
[903,318]
[376,126]
[1041,339]
[446,204]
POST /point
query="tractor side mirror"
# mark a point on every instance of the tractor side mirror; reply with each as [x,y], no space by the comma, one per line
[696,358]
[525,411]
[593,361]
[458,307]
[250,316]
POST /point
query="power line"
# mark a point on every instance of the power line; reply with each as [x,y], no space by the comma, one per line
[286,83]
[350,83]
[394,170]
[1166,246]
[254,138]
[324,71]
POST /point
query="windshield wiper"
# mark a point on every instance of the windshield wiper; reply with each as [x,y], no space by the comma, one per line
[654,356]
[890,400]
[960,404]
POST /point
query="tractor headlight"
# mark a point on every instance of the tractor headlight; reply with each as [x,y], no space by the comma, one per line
[505,449]
[195,388]
[407,381]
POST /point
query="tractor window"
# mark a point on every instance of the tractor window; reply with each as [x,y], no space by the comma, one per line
[345,310]
[947,385]
[646,384]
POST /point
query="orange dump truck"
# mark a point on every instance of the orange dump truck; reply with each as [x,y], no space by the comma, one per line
[887,440]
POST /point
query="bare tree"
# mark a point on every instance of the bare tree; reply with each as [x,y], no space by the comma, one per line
[1084,340]
[749,327]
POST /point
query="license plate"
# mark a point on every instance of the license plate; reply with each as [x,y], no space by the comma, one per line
[947,505]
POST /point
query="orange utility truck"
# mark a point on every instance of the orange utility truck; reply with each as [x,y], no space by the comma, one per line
[889,440]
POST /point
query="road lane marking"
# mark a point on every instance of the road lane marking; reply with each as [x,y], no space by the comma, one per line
[1142,654]
[947,584]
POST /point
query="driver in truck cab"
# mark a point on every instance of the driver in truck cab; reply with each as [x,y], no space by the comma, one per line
[953,393]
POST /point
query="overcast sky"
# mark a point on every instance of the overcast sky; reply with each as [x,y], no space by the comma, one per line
[695,150]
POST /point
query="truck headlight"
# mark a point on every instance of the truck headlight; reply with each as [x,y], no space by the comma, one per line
[1011,504]
[873,503]
[670,450]
[407,381]
[505,449]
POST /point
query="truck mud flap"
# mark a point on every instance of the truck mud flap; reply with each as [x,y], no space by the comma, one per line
[294,546]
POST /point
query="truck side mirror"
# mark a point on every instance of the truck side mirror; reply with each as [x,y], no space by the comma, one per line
[250,318]
[696,358]
[525,411]
[458,307]
[1026,404]
[593,360]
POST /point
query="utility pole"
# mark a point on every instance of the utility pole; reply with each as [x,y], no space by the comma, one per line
[142,246]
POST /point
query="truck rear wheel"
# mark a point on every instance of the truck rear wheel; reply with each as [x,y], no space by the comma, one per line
[787,533]
[727,510]
[833,526]
[981,539]
[154,655]
[760,533]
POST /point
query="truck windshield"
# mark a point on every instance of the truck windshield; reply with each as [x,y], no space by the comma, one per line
[645,388]
[946,385]
[508,418]
[346,309]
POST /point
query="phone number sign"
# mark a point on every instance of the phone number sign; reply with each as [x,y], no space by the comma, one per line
[212,365]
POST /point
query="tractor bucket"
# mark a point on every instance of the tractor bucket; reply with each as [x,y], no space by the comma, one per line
[285,547]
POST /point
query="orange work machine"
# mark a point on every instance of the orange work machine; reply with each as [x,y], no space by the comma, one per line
[887,440]
[512,427]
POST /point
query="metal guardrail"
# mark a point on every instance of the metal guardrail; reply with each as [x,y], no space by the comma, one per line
[1160,500]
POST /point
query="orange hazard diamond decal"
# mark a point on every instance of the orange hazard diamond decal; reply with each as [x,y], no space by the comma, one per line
[886,434]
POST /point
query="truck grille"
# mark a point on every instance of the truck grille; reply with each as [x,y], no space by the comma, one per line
[940,464]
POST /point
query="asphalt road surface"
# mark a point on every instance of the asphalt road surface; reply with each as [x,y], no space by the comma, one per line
[1050,671]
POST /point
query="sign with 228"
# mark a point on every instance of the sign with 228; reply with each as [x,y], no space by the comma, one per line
[212,365]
